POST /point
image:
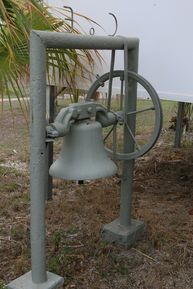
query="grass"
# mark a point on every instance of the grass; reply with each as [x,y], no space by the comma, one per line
[162,197]
[2,286]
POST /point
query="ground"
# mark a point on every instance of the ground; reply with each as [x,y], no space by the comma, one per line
[162,197]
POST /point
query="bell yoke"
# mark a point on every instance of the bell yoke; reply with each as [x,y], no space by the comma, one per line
[80,112]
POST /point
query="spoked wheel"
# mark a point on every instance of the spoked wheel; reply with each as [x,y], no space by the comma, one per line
[147,117]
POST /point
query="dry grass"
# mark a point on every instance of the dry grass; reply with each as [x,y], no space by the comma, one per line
[162,197]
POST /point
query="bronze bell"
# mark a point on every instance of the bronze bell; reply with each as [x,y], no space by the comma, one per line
[83,155]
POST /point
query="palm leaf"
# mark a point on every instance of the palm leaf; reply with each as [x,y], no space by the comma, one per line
[17,18]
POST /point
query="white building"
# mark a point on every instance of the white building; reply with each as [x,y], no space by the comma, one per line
[165,32]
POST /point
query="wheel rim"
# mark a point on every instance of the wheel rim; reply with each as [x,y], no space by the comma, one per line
[139,151]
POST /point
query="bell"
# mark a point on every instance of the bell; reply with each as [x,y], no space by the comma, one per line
[83,156]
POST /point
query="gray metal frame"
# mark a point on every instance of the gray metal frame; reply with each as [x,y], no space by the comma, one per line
[39,41]
[124,229]
[51,93]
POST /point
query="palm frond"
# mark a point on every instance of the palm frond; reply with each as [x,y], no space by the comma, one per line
[17,18]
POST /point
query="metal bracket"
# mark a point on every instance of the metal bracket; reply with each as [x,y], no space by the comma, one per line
[77,112]
[72,17]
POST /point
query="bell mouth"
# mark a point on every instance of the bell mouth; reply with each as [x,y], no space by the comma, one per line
[83,156]
[66,175]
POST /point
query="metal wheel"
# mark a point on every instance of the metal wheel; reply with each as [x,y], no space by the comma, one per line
[124,116]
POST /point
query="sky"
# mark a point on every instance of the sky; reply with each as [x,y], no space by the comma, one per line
[165,32]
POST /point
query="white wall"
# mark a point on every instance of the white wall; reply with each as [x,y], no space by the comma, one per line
[164,28]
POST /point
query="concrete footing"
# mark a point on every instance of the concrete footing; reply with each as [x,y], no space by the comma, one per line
[116,233]
[25,282]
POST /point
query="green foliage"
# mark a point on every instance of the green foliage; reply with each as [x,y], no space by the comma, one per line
[188,110]
[11,187]
[18,232]
[17,19]
[62,260]
[56,240]
[7,171]
[54,264]
[2,286]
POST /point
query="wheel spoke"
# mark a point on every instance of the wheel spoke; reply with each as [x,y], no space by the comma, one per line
[141,110]
[109,132]
[121,95]
[114,140]
[133,137]
[111,79]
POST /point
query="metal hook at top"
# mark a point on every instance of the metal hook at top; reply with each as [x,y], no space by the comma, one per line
[116,24]
[72,17]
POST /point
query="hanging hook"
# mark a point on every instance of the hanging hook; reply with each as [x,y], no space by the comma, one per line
[72,17]
[116,24]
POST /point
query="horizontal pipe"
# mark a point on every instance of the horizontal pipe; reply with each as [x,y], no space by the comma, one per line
[73,41]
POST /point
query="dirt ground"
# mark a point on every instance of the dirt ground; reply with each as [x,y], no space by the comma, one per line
[162,197]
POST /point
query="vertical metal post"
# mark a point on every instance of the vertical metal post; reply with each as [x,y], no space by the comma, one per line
[38,157]
[131,63]
[50,108]
[179,127]
[111,79]
[125,230]
[121,95]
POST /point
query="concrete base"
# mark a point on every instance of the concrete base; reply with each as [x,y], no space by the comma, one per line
[25,282]
[114,232]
